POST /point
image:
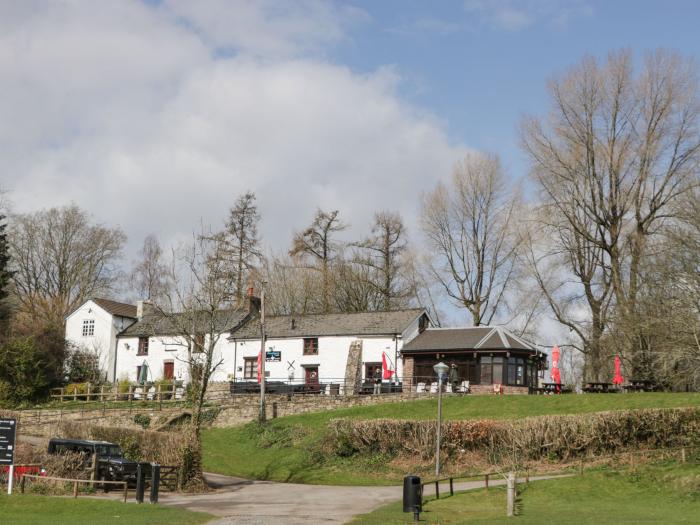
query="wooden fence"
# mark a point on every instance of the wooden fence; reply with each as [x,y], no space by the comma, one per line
[103,393]
[75,482]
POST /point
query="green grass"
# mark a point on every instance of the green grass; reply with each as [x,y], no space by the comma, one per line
[287,449]
[29,509]
[664,494]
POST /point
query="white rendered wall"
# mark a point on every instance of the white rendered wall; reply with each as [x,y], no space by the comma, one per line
[168,348]
[331,359]
[103,342]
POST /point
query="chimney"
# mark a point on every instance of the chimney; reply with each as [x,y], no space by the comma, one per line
[144,308]
[139,310]
[253,302]
[294,322]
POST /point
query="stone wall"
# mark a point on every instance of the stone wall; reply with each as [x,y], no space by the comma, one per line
[234,411]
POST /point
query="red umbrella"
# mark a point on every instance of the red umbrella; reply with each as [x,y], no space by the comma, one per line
[554,374]
[259,366]
[386,371]
[618,379]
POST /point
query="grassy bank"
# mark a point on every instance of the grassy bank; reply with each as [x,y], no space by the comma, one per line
[667,494]
[289,449]
[28,509]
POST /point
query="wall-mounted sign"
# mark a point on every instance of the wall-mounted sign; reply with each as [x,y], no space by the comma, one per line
[8,432]
[273,356]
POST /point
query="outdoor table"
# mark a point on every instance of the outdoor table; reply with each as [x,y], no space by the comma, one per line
[598,387]
[636,385]
[552,388]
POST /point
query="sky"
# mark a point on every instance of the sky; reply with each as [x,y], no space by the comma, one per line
[155,115]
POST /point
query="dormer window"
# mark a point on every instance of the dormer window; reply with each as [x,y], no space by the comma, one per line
[88,327]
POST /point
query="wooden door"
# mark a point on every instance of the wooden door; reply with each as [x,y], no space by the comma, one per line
[311,378]
[168,370]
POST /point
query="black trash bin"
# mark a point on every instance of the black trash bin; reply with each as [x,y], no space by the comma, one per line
[412,495]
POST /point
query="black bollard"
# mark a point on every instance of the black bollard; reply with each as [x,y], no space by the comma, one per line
[140,483]
[155,482]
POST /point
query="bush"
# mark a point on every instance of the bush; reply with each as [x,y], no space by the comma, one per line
[82,366]
[31,366]
[142,420]
[534,438]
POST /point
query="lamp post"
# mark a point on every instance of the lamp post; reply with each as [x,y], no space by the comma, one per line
[440,369]
[262,415]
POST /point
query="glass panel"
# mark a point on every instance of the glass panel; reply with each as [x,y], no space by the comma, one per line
[486,371]
[498,369]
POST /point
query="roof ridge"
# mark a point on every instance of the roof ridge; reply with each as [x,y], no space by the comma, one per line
[348,313]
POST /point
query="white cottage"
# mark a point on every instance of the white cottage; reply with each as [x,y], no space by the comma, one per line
[302,349]
[93,327]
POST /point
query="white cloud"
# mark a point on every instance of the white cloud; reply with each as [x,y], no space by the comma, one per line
[126,110]
[516,15]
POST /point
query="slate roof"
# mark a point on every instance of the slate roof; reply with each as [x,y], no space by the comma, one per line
[155,324]
[116,308]
[363,323]
[473,338]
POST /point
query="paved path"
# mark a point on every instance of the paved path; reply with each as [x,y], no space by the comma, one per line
[245,502]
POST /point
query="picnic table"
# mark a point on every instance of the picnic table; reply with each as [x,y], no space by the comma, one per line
[640,385]
[551,388]
[599,387]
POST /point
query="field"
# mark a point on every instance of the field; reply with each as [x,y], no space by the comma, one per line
[668,494]
[29,509]
[290,448]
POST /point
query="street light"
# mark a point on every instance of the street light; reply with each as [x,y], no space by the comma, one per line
[441,370]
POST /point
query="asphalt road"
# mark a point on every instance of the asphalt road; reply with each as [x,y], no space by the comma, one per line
[245,502]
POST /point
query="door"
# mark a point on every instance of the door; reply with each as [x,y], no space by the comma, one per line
[168,370]
[311,378]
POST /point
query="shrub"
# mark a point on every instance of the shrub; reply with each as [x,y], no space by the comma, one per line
[142,420]
[31,366]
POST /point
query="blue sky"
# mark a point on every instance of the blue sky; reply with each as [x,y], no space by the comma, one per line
[154,115]
[479,73]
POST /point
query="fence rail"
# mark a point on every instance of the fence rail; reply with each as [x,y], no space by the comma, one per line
[75,482]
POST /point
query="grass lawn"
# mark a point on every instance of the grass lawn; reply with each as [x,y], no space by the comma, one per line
[29,509]
[287,448]
[664,494]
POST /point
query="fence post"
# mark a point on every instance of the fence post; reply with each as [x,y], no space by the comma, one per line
[511,494]
[21,483]
[75,489]
[75,392]
[93,468]
[486,481]
[437,489]
[452,490]
[580,467]
[126,491]
[632,460]
[88,389]
[683,455]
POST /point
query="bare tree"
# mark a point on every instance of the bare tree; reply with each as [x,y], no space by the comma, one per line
[149,277]
[292,288]
[618,149]
[317,242]
[242,237]
[470,231]
[196,310]
[382,254]
[60,259]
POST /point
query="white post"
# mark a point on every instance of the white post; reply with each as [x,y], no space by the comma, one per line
[10,479]
[511,493]
[439,425]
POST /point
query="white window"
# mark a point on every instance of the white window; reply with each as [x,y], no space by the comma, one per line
[88,327]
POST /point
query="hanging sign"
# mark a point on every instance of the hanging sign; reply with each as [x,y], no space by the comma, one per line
[272,356]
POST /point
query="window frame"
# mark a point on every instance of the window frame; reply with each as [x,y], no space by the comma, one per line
[142,346]
[250,368]
[88,329]
[310,346]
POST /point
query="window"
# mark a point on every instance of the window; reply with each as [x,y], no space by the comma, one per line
[311,346]
[88,327]
[497,373]
[370,369]
[486,370]
[516,371]
[198,344]
[250,368]
[143,346]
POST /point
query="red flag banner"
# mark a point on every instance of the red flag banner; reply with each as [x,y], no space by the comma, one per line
[259,366]
[386,371]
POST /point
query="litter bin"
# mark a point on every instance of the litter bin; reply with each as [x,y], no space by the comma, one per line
[412,495]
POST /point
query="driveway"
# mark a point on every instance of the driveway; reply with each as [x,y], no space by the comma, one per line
[245,502]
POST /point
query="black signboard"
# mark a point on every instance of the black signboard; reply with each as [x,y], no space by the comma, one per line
[273,355]
[8,431]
